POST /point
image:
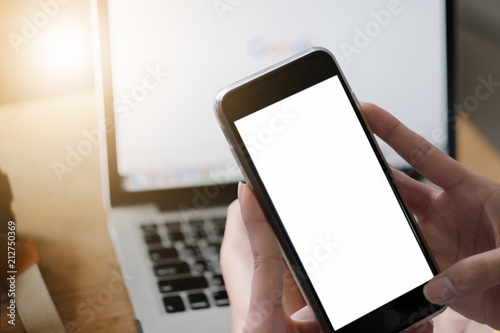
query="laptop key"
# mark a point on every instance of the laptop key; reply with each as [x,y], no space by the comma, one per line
[197,233]
[149,228]
[152,238]
[196,282]
[164,253]
[198,301]
[173,226]
[220,298]
[192,251]
[219,221]
[198,223]
[214,248]
[218,231]
[201,266]
[176,236]
[171,269]
[173,304]
[217,280]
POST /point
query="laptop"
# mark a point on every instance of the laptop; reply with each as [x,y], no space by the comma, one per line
[168,175]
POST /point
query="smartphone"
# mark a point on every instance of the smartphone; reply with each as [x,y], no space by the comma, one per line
[300,139]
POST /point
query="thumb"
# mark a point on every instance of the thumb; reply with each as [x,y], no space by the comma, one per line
[265,250]
[467,277]
[265,312]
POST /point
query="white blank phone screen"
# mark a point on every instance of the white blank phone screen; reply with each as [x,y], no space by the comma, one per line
[334,200]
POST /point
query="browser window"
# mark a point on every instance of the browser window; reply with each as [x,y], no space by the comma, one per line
[168,65]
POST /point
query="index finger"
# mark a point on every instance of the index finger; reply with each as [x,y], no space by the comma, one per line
[429,161]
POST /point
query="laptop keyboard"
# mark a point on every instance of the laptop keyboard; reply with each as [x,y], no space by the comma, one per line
[185,260]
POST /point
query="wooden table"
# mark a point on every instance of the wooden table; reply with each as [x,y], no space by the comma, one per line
[66,218]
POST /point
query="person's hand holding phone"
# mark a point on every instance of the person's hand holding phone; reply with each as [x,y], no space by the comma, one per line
[461,225]
[254,263]
[262,292]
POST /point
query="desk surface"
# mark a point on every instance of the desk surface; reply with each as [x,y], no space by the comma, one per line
[65,216]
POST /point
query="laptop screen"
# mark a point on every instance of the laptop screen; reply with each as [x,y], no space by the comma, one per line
[169,59]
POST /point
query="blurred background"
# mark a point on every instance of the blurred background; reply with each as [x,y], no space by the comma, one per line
[46,50]
[477,54]
[47,102]
[47,105]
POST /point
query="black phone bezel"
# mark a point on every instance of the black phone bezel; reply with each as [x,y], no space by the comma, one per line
[267,88]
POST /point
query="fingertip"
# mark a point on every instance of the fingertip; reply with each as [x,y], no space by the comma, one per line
[303,314]
[440,291]
[250,206]
[240,190]
[244,197]
[366,104]
[233,210]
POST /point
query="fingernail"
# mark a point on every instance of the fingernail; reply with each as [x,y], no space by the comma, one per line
[240,190]
[440,291]
[303,315]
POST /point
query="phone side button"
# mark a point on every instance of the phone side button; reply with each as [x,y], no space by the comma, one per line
[392,318]
[239,165]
